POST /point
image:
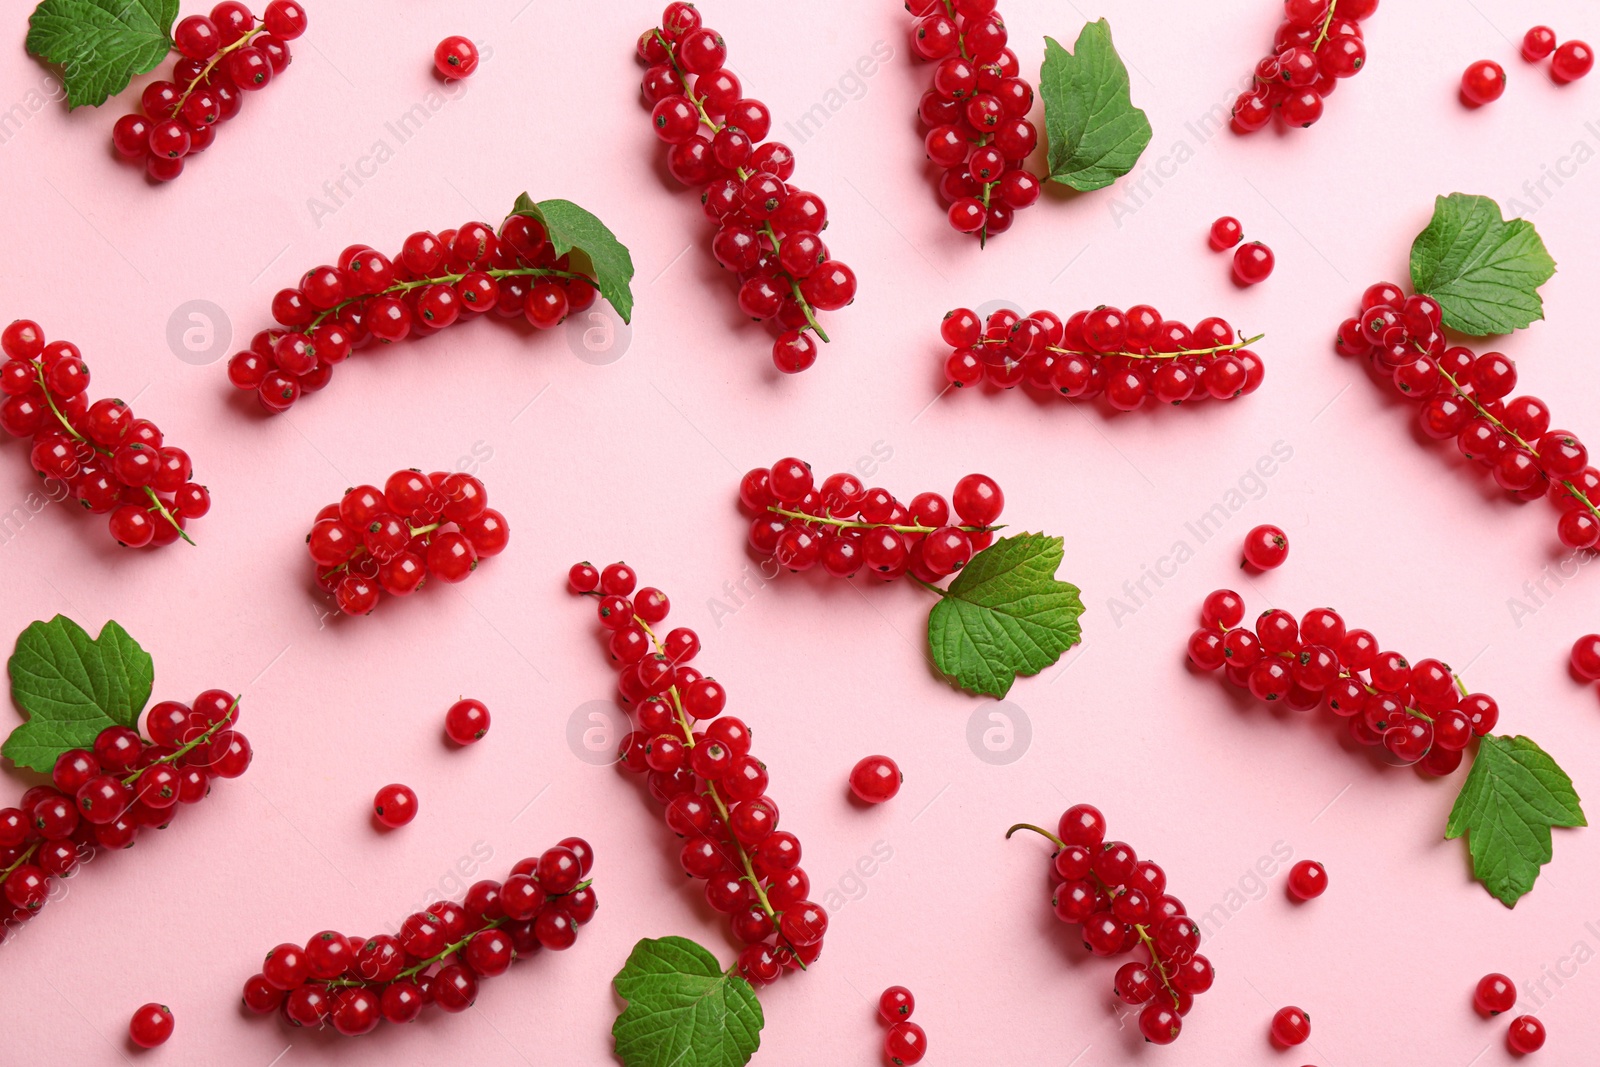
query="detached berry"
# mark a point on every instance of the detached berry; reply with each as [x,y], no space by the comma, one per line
[1225,233]
[1495,994]
[1266,547]
[1586,658]
[1252,263]
[1571,61]
[150,1026]
[1538,43]
[395,805]
[1307,880]
[875,779]
[467,721]
[1483,82]
[905,1043]
[1525,1035]
[896,1004]
[1290,1027]
[455,57]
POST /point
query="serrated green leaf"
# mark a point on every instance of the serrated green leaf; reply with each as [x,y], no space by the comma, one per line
[1096,135]
[71,687]
[595,249]
[101,45]
[683,1011]
[1005,614]
[1484,270]
[1512,797]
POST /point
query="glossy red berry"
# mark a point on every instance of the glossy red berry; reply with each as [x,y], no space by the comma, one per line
[1538,43]
[1252,263]
[1483,82]
[150,1026]
[1290,1026]
[1586,657]
[1307,880]
[1571,61]
[1526,1033]
[1266,547]
[455,57]
[1494,994]
[905,1043]
[1225,233]
[395,805]
[896,1004]
[875,779]
[467,721]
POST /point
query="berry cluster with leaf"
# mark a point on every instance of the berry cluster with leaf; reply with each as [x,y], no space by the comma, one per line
[1477,274]
[84,698]
[1005,613]
[548,259]
[102,45]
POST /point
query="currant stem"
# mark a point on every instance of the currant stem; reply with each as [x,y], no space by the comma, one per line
[155,501]
[1144,935]
[854,524]
[416,531]
[1489,416]
[222,53]
[766,226]
[1062,351]
[173,757]
[983,138]
[1327,23]
[445,279]
[27,855]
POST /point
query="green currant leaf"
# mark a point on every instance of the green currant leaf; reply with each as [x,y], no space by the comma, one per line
[101,45]
[594,248]
[1484,270]
[1512,797]
[1096,135]
[1005,615]
[683,1011]
[71,687]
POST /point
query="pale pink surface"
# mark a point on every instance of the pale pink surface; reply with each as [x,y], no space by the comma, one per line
[1406,541]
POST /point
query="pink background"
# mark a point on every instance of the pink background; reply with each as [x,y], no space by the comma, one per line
[639,459]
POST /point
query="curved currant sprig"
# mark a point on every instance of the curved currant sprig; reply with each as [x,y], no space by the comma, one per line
[767,230]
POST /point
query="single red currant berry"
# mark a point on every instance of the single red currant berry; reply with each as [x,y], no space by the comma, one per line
[1307,879]
[905,1043]
[1483,82]
[1225,233]
[150,1026]
[1252,263]
[896,1004]
[1527,1033]
[1266,547]
[875,779]
[1159,1024]
[455,57]
[1572,61]
[1291,1026]
[1586,658]
[395,805]
[466,721]
[1495,993]
[1538,43]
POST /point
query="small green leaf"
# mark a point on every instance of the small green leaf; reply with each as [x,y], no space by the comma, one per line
[683,1011]
[1484,271]
[1096,135]
[595,249]
[1005,615]
[71,687]
[101,45]
[1512,797]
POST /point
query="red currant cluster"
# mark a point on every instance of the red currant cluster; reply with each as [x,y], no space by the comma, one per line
[846,526]
[1120,903]
[713,790]
[113,463]
[102,796]
[225,56]
[1464,397]
[976,114]
[1318,43]
[436,280]
[439,954]
[418,526]
[905,1042]
[1419,712]
[1127,357]
[768,231]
